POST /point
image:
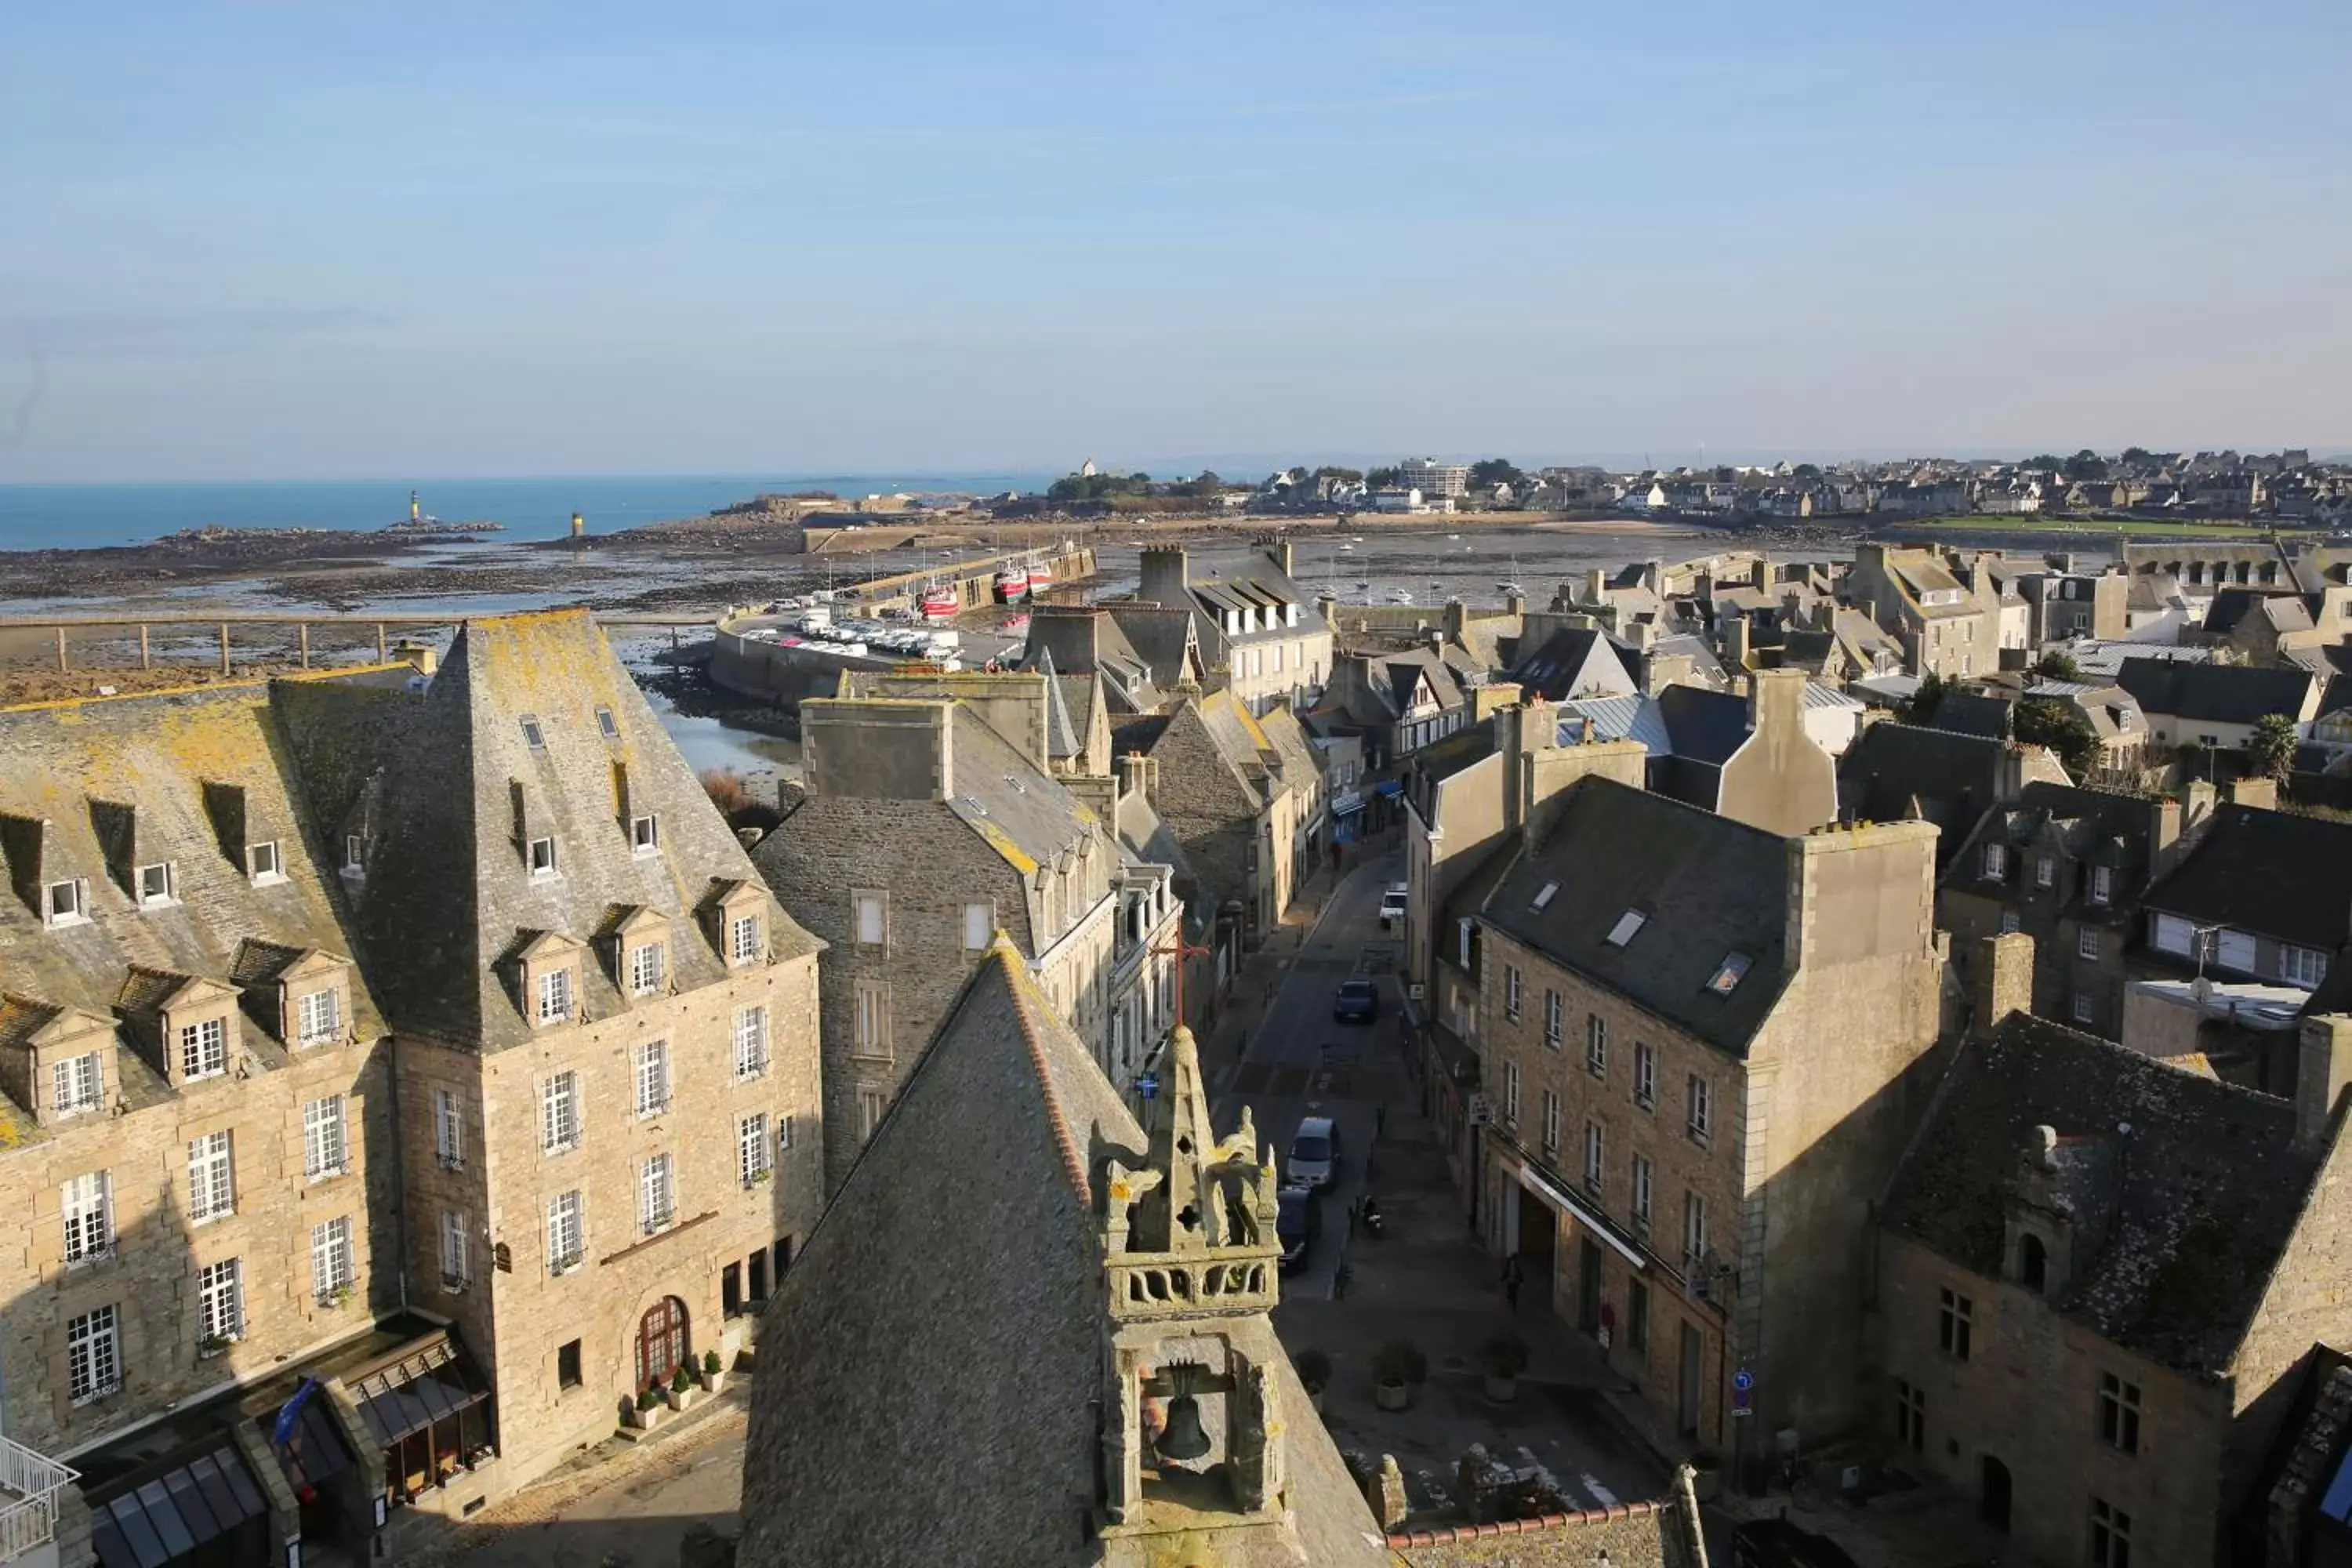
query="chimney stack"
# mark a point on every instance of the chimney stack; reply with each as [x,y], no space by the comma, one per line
[2322,1070]
[1738,635]
[2003,982]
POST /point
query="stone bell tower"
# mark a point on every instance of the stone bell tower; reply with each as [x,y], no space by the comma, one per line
[1193,1265]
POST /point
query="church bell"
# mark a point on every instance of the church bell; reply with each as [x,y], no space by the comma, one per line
[1182,1439]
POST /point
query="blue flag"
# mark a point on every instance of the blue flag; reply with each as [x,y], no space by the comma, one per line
[291,1412]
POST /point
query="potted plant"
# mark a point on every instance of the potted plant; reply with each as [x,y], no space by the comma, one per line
[649,1409]
[681,1389]
[1397,1367]
[342,1295]
[1314,1373]
[1504,1357]
[211,1345]
[714,1372]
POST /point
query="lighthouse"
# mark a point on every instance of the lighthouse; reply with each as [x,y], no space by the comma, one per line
[579,527]
[413,512]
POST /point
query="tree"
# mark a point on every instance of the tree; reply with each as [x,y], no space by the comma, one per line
[2058,665]
[1921,708]
[1332,471]
[1488,472]
[2050,460]
[2047,721]
[2270,749]
[2086,465]
[1806,472]
[2137,454]
[1383,479]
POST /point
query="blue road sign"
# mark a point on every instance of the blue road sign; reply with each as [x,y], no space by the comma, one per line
[1147,1086]
[1743,1379]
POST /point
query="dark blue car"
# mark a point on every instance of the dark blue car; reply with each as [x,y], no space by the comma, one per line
[1358,1002]
[1295,1222]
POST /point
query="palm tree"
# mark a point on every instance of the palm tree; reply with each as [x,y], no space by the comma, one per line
[2270,749]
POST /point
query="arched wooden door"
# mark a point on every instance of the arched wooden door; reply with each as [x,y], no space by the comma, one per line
[661,1342]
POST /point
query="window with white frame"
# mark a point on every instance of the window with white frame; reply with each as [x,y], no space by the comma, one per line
[93,1355]
[2110,1533]
[2086,942]
[1694,1231]
[871,1105]
[67,902]
[1646,1177]
[1596,1045]
[872,926]
[2103,884]
[1595,1155]
[158,885]
[567,1235]
[2234,950]
[1511,992]
[751,1161]
[647,962]
[558,1113]
[644,834]
[2045,870]
[979,922]
[1645,1073]
[220,1301]
[333,1267]
[2302,966]
[1996,861]
[355,854]
[76,1083]
[319,1016]
[261,862]
[751,1042]
[657,1203]
[743,943]
[542,859]
[784,1133]
[456,1266]
[2170,934]
[324,1147]
[204,1049]
[1700,1120]
[1511,1093]
[652,1077]
[2086,1009]
[448,1129]
[86,1203]
[1551,1122]
[555,995]
[212,1176]
[1555,1018]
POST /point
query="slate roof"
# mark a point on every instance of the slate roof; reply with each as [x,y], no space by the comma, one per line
[2196,1202]
[1705,726]
[1564,666]
[1093,641]
[1162,641]
[2214,693]
[447,891]
[1966,713]
[1709,885]
[1954,779]
[2284,611]
[2269,872]
[942,1289]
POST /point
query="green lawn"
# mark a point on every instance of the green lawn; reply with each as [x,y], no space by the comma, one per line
[2132,529]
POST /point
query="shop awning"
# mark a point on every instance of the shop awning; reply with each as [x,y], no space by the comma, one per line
[315,1450]
[1559,1196]
[1389,787]
[177,1513]
[1347,803]
[415,1391]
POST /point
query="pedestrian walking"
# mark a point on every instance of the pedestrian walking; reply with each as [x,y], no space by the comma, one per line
[1512,1275]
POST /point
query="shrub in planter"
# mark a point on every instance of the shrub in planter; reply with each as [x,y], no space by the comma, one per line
[681,1380]
[1397,1367]
[710,1363]
[648,1398]
[1504,1357]
[1314,1370]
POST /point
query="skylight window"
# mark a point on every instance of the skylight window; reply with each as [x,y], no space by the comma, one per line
[1627,925]
[532,735]
[606,723]
[1544,896]
[1728,973]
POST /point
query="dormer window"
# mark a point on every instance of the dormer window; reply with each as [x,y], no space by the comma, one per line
[746,939]
[319,1017]
[76,1084]
[645,834]
[354,856]
[555,999]
[2045,870]
[647,963]
[543,859]
[532,735]
[1996,862]
[608,724]
[1728,973]
[261,863]
[66,903]
[2103,884]
[158,885]
[203,1049]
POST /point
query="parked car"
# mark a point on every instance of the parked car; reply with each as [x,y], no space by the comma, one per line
[1297,1220]
[1358,1002]
[1392,904]
[1315,1154]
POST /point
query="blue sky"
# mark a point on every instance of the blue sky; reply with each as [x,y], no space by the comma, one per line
[315,238]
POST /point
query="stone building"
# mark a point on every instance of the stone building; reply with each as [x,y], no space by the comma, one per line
[1243,797]
[2067,866]
[1255,629]
[921,831]
[1063,1355]
[351,1027]
[1700,1045]
[1946,615]
[2099,1279]
[1896,773]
